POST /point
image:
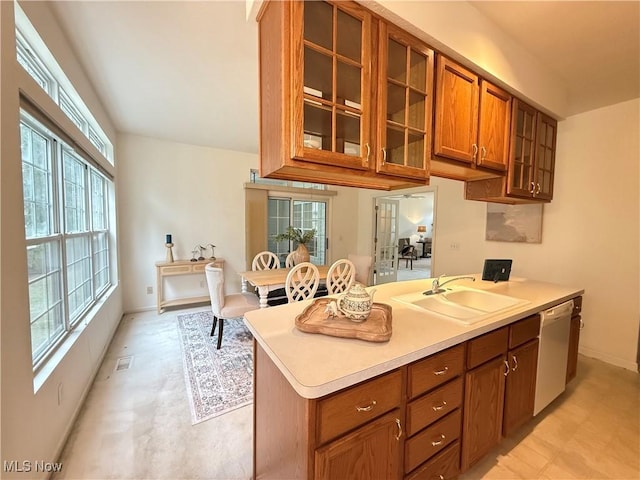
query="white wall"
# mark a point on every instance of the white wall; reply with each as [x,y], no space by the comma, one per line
[590,233]
[416,211]
[196,194]
[34,421]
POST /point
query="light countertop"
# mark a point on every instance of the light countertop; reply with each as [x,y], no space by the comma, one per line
[316,365]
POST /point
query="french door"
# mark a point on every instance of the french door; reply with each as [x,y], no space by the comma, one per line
[386,240]
[301,214]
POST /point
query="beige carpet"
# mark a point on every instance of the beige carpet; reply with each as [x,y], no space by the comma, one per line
[218,381]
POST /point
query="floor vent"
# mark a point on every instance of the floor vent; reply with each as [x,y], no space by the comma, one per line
[124,363]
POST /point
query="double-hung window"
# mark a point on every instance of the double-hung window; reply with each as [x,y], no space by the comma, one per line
[67,233]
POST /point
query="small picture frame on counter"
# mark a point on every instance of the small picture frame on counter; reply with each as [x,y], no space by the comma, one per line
[497,270]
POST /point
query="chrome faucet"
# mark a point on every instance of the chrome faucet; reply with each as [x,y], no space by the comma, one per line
[436,286]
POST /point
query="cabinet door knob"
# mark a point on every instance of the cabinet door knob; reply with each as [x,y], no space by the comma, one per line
[368,408]
[399,429]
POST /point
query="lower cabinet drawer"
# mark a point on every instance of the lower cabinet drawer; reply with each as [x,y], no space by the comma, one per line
[443,466]
[435,370]
[485,347]
[357,405]
[433,406]
[431,440]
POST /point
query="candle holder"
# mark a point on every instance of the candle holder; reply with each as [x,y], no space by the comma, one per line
[212,257]
[169,252]
[194,254]
[200,250]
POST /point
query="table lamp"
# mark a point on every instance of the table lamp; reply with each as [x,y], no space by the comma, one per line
[421,230]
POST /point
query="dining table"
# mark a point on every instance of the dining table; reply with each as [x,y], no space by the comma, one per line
[267,280]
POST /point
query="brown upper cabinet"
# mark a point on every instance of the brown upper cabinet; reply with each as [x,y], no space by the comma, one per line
[532,161]
[318,118]
[471,124]
[405,83]
[533,155]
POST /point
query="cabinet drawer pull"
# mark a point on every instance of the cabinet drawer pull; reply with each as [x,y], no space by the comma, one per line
[437,408]
[384,155]
[537,188]
[437,443]
[533,188]
[368,151]
[506,369]
[515,361]
[581,324]
[441,477]
[441,372]
[475,152]
[399,429]
[368,408]
[484,154]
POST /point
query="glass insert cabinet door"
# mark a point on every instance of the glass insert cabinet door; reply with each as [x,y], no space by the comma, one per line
[405,103]
[521,170]
[331,106]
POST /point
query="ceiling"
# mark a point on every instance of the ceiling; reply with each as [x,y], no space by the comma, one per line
[186,71]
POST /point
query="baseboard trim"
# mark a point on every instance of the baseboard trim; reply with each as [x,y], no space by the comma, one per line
[610,359]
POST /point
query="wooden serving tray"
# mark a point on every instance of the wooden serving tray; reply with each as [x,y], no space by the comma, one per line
[376,328]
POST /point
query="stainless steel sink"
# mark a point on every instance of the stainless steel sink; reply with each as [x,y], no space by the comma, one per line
[462,304]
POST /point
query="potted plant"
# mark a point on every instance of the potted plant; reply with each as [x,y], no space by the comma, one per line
[301,253]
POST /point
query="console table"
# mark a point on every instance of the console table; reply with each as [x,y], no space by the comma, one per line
[181,267]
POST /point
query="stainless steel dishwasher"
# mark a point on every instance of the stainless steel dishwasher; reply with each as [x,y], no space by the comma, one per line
[552,354]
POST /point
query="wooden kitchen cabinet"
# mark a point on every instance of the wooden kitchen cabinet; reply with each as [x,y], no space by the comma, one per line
[405,84]
[520,390]
[483,407]
[522,358]
[484,395]
[371,452]
[318,64]
[353,433]
[574,339]
[531,162]
[472,122]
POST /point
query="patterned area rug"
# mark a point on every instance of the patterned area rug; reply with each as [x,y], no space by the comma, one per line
[218,381]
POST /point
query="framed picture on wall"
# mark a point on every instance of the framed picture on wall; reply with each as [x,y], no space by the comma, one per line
[514,223]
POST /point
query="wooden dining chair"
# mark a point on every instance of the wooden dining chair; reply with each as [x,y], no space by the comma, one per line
[226,306]
[341,275]
[302,282]
[265,261]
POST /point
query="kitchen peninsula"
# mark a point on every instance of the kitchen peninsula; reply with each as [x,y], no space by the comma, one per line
[327,406]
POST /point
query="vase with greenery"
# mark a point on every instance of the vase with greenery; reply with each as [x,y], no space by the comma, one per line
[301,253]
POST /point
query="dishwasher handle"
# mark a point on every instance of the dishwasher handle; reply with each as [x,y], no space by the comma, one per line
[559,311]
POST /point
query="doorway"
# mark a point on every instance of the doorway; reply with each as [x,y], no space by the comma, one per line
[415,225]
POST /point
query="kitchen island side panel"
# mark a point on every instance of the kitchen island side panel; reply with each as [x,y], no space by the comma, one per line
[281,420]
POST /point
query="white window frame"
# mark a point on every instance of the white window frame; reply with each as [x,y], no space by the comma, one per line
[60,235]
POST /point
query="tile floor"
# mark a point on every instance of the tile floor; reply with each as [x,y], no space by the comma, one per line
[136,423]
